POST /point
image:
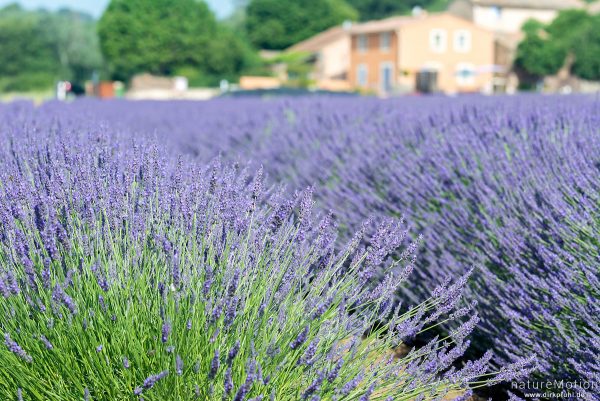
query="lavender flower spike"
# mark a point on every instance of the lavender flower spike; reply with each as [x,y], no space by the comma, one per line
[300,339]
[16,349]
[150,382]
[166,330]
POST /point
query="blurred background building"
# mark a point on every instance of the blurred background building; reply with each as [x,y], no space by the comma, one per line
[424,52]
[194,49]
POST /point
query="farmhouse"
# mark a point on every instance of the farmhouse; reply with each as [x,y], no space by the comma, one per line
[424,52]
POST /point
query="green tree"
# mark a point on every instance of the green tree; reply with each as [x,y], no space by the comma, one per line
[75,44]
[568,26]
[572,35]
[537,54]
[278,24]
[26,57]
[168,36]
[587,55]
[38,47]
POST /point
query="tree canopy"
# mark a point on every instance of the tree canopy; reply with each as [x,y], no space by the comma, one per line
[168,36]
[587,56]
[278,24]
[537,54]
[570,38]
[38,47]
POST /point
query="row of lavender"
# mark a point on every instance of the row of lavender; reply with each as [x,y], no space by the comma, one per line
[509,186]
[129,271]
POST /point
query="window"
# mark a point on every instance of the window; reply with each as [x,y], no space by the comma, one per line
[362,42]
[465,74]
[462,41]
[385,41]
[362,75]
[437,40]
[387,76]
[497,12]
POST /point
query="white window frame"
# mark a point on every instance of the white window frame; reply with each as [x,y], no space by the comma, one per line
[466,35]
[385,45]
[382,67]
[433,45]
[362,42]
[462,80]
[360,69]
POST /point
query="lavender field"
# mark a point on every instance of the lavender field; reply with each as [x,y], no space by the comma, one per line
[285,249]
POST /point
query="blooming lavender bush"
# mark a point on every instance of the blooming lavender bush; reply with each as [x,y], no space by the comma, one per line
[508,185]
[130,274]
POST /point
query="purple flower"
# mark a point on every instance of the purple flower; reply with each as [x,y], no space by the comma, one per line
[60,296]
[333,373]
[46,342]
[4,289]
[231,311]
[16,349]
[233,283]
[243,390]
[314,386]
[176,272]
[214,365]
[101,302]
[228,381]
[351,385]
[150,382]
[233,352]
[166,330]
[300,339]
[179,365]
[309,355]
[46,278]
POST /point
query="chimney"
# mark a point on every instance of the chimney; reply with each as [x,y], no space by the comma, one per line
[417,11]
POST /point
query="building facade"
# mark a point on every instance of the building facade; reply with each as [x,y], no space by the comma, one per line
[425,53]
[329,52]
[508,16]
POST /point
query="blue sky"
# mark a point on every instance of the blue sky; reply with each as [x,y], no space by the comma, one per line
[95,7]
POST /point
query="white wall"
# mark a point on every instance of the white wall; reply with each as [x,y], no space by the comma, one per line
[335,58]
[509,20]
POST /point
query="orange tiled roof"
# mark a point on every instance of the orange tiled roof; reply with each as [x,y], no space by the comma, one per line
[387,24]
[317,42]
[394,23]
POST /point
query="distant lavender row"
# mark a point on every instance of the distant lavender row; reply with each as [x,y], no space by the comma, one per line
[509,185]
[130,273]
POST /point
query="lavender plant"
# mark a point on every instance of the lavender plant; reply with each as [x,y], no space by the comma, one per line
[508,185]
[130,274]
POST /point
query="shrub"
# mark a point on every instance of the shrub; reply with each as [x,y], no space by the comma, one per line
[127,273]
[508,185]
